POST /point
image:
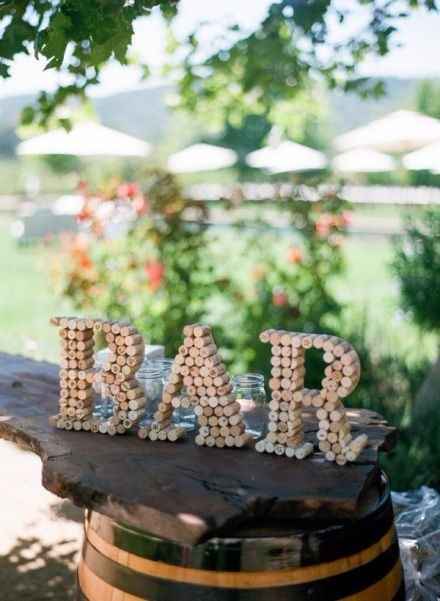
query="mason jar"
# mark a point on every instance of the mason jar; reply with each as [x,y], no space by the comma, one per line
[183,417]
[150,379]
[164,365]
[103,406]
[251,395]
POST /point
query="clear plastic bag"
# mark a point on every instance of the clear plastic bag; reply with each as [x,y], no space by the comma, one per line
[418,526]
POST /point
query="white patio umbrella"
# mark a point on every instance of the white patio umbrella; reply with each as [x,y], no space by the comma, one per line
[425,158]
[363,160]
[286,156]
[201,157]
[401,131]
[85,139]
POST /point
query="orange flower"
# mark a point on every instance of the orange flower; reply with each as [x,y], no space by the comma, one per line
[155,272]
[279,299]
[84,261]
[258,272]
[294,255]
[86,213]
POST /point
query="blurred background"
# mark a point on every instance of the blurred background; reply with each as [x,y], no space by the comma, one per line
[276,166]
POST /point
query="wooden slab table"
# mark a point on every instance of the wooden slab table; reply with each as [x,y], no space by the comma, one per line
[180,491]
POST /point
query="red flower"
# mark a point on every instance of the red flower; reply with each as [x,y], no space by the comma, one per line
[128,190]
[294,255]
[155,272]
[279,299]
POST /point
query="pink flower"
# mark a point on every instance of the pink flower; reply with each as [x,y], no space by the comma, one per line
[346,218]
[279,299]
[141,205]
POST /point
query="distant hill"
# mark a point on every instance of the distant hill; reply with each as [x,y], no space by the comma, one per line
[10,109]
[143,112]
[349,111]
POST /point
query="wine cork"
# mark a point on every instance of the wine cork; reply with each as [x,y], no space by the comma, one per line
[265,336]
[322,435]
[286,395]
[307,342]
[359,443]
[330,456]
[341,459]
[350,358]
[269,447]
[324,446]
[143,432]
[304,450]
[260,445]
[275,337]
[319,340]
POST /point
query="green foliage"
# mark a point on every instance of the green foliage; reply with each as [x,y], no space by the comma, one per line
[248,136]
[388,385]
[76,38]
[428,98]
[156,274]
[417,265]
[254,71]
[289,283]
[250,73]
[164,271]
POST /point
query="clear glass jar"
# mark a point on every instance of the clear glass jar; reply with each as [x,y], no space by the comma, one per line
[251,395]
[151,381]
[103,407]
[164,365]
[183,417]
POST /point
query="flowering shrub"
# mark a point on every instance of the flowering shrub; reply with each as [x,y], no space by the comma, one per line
[136,257]
[145,254]
[290,278]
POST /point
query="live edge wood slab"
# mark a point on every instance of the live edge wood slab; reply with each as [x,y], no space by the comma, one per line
[179,490]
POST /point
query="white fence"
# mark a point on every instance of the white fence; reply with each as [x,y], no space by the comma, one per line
[369,195]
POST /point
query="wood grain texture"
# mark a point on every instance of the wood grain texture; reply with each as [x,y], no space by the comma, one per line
[180,491]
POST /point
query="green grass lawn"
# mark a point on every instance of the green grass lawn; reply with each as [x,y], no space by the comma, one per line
[368,292]
[26,299]
[370,295]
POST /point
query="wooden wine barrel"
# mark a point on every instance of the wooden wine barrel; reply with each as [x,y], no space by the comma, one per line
[352,561]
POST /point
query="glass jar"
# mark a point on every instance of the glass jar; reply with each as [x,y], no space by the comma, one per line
[183,417]
[103,406]
[151,381]
[251,395]
[164,365]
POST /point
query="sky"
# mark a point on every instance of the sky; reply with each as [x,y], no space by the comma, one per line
[417,55]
